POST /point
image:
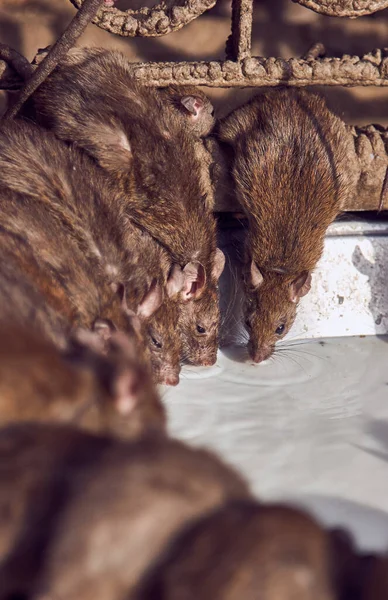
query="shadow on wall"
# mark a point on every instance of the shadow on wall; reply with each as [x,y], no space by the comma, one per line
[377,272]
[231,290]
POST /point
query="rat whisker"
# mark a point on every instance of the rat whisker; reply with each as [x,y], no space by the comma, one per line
[292,342]
[288,355]
[297,348]
[289,352]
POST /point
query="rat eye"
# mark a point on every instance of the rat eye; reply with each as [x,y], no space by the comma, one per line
[280,329]
[201,329]
[155,342]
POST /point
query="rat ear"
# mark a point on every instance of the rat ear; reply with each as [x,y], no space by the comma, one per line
[300,286]
[151,301]
[103,328]
[125,389]
[193,104]
[119,288]
[126,381]
[195,279]
[109,145]
[218,264]
[256,278]
[175,281]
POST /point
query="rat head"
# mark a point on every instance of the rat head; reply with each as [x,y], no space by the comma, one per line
[154,320]
[192,107]
[199,319]
[271,299]
[126,397]
[199,327]
[116,316]
[164,343]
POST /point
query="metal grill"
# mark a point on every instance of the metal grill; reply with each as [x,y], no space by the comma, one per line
[241,69]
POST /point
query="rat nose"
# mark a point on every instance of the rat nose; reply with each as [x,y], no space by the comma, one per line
[261,354]
[209,361]
[171,379]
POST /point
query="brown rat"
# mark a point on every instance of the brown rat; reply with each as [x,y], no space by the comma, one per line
[39,181]
[189,104]
[245,550]
[80,385]
[291,178]
[83,516]
[138,129]
[139,140]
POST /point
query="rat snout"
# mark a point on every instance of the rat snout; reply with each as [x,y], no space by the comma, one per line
[169,375]
[203,359]
[170,379]
[259,354]
[209,361]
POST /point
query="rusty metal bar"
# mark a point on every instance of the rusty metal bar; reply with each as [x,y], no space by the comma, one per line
[371,69]
[344,8]
[149,22]
[239,43]
[161,19]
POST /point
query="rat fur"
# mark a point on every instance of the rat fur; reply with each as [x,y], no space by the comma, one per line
[245,550]
[80,385]
[84,516]
[140,141]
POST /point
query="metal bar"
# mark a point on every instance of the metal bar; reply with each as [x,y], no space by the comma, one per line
[239,44]
[160,19]
[252,72]
[371,69]
[344,8]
